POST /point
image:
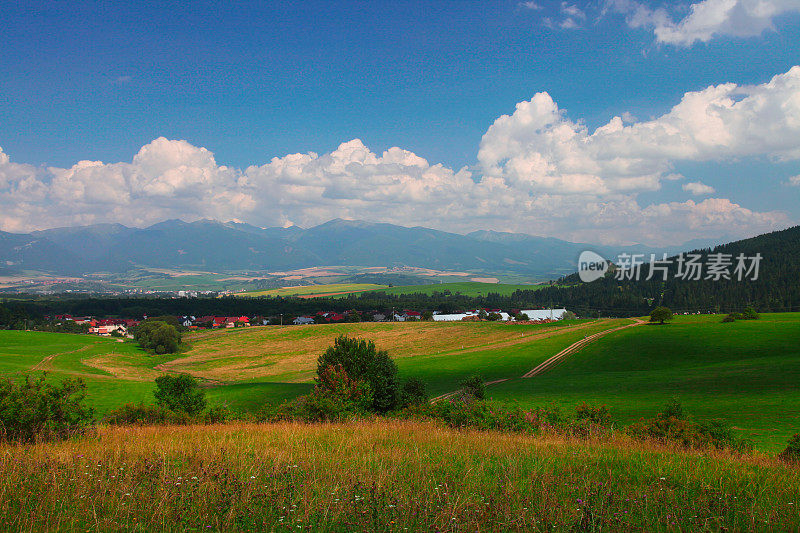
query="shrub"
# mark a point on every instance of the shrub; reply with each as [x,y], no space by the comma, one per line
[729,318]
[660,314]
[180,393]
[792,452]
[481,415]
[750,314]
[413,392]
[599,415]
[157,336]
[141,414]
[362,362]
[474,387]
[672,425]
[35,409]
[336,397]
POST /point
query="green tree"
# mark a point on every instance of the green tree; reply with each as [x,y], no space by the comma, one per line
[427,316]
[660,314]
[363,362]
[180,393]
[157,336]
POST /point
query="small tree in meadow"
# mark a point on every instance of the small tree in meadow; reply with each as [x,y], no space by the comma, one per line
[362,361]
[180,393]
[660,314]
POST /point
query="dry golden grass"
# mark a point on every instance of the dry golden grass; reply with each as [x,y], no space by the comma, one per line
[384,476]
[290,353]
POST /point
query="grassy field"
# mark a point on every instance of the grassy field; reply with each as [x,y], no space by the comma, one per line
[746,372]
[384,476]
[467,288]
[62,355]
[248,367]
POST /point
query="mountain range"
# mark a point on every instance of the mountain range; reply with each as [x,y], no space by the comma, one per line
[215,246]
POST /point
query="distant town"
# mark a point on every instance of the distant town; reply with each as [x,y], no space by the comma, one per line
[122,327]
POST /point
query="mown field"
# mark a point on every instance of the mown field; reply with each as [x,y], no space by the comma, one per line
[467,288]
[384,476]
[329,289]
[745,372]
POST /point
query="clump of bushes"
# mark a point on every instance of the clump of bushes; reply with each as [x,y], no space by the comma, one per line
[157,336]
[480,415]
[792,452]
[748,314]
[672,425]
[179,400]
[473,387]
[413,392]
[37,410]
[336,397]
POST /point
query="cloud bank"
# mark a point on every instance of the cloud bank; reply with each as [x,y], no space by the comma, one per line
[707,19]
[538,172]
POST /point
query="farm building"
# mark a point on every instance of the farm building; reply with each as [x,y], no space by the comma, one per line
[303,320]
[544,314]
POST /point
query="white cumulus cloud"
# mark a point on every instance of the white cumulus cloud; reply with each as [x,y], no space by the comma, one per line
[706,19]
[538,172]
[698,189]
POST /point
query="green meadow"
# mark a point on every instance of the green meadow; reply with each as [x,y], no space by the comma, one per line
[745,372]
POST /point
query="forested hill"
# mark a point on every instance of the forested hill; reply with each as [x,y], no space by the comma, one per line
[776,289]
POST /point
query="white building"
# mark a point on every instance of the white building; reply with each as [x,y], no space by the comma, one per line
[544,314]
[303,320]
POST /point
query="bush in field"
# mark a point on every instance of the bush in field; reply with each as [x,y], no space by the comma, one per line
[750,314]
[141,414]
[599,415]
[336,397]
[35,409]
[660,314]
[144,415]
[792,452]
[157,336]
[473,387]
[481,415]
[180,393]
[362,362]
[731,317]
[413,392]
[673,425]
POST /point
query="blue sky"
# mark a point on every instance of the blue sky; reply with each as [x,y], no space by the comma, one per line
[257,80]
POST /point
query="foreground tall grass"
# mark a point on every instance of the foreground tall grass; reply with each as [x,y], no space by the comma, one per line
[383,476]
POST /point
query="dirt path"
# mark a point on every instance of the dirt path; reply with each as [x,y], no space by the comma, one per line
[572,348]
[552,361]
[44,362]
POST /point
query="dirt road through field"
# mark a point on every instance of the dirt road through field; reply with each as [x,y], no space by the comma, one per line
[552,361]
